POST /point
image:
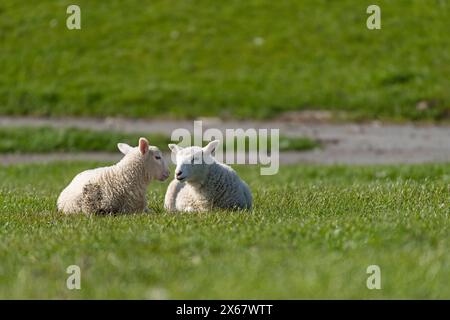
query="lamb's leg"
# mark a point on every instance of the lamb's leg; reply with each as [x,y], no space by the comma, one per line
[189,209]
[171,195]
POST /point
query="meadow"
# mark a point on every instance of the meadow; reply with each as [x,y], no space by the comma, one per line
[314,229]
[228,59]
[313,232]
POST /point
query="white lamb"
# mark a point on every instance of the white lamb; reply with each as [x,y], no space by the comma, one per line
[201,183]
[120,188]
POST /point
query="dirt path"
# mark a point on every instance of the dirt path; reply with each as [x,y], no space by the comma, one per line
[343,143]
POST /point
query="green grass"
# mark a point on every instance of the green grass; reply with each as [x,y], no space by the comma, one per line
[312,234]
[191,58]
[47,139]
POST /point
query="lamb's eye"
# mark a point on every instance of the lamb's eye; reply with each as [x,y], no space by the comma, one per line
[157,157]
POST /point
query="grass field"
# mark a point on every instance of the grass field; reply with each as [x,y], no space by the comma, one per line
[47,139]
[312,234]
[233,59]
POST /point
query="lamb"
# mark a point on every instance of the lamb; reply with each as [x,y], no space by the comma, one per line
[202,183]
[120,188]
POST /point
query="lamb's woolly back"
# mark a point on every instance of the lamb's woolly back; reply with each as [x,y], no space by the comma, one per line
[223,188]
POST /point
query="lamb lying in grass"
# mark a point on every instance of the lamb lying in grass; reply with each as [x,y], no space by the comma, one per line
[201,183]
[120,188]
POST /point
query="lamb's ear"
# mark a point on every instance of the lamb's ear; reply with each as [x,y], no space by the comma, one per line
[124,148]
[174,148]
[143,145]
[211,147]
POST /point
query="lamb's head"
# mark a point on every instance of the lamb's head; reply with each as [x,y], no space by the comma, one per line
[155,166]
[193,163]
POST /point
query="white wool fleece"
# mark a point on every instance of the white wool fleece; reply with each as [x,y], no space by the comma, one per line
[120,188]
[201,183]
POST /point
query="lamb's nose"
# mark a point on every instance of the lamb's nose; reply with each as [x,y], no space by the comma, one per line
[178,173]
